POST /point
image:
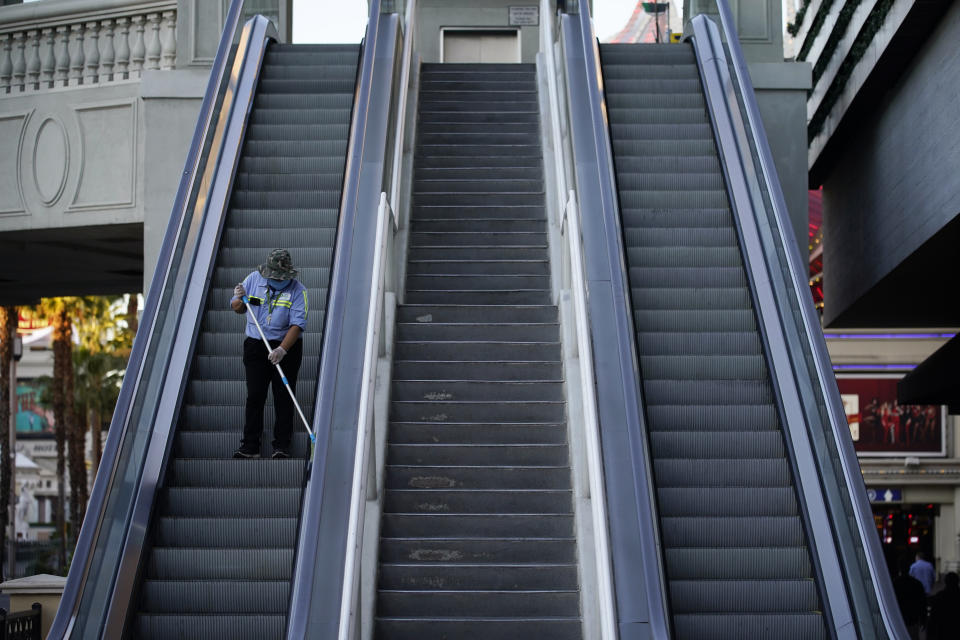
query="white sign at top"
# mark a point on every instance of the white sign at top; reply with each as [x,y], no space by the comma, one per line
[524,16]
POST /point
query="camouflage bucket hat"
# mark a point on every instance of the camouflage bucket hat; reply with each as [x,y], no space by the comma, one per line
[279,265]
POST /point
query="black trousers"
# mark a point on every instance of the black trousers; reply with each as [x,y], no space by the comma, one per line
[261,375]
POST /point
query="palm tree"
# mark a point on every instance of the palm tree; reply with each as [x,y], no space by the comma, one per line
[100,330]
[8,330]
[98,378]
[60,311]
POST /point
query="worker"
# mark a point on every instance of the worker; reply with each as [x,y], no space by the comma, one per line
[279,302]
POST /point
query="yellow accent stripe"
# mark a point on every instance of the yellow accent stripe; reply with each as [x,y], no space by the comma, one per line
[283,303]
[306,305]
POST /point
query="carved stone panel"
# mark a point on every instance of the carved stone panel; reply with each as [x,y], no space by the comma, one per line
[108,139]
[70,152]
[11,140]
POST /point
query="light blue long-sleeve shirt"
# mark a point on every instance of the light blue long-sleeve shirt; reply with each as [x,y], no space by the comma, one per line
[278,310]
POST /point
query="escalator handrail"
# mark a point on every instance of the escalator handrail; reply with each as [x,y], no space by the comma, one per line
[813,333]
[82,557]
[645,601]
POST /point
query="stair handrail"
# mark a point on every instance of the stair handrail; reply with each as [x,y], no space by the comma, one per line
[570,226]
[598,493]
[813,333]
[399,145]
[748,203]
[639,582]
[204,156]
[364,484]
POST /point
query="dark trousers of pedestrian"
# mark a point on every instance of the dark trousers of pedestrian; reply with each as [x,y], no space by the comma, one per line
[260,376]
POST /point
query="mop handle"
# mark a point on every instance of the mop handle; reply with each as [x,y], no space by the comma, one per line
[283,376]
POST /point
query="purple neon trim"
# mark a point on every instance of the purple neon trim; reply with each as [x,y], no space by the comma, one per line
[886,336]
[869,367]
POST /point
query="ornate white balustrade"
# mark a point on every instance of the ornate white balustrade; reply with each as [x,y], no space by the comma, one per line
[70,43]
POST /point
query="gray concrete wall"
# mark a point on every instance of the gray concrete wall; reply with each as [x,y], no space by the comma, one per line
[433,15]
[781,90]
[897,182]
[759,24]
[171,103]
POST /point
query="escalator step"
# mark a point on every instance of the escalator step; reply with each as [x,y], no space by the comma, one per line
[203,626]
[734,501]
[173,563]
[716,444]
[234,532]
[197,596]
[733,564]
[236,473]
[701,367]
[687,299]
[737,596]
[751,417]
[692,320]
[722,473]
[731,531]
[751,626]
[715,343]
[229,502]
[213,444]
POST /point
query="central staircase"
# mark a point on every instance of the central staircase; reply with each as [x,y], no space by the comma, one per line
[477,538]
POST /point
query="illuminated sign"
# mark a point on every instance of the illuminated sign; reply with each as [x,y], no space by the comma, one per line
[879,426]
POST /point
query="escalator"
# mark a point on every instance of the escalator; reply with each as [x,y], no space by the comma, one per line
[223,533]
[736,550]
[711,369]
[180,539]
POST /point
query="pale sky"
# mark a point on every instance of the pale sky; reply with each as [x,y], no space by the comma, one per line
[345,20]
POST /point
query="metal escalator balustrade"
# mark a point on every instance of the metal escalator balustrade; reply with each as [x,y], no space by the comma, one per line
[105,564]
[852,562]
[477,533]
[735,543]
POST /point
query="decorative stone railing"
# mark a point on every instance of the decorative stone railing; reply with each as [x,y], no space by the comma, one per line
[69,43]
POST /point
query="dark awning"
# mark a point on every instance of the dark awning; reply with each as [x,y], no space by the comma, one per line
[936,380]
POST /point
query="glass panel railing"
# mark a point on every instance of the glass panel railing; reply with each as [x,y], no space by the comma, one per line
[868,586]
[159,349]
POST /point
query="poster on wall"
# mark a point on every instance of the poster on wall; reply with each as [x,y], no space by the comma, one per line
[881,427]
[32,414]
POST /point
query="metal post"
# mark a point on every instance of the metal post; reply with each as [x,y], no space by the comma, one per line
[17,350]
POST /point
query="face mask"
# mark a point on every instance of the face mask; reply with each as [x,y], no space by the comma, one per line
[278,284]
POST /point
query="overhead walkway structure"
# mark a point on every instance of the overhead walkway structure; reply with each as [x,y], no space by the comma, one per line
[562,367]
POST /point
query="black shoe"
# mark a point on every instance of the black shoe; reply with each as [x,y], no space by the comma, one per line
[246,452]
[280,452]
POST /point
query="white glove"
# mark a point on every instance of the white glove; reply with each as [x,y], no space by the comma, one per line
[239,291]
[276,355]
